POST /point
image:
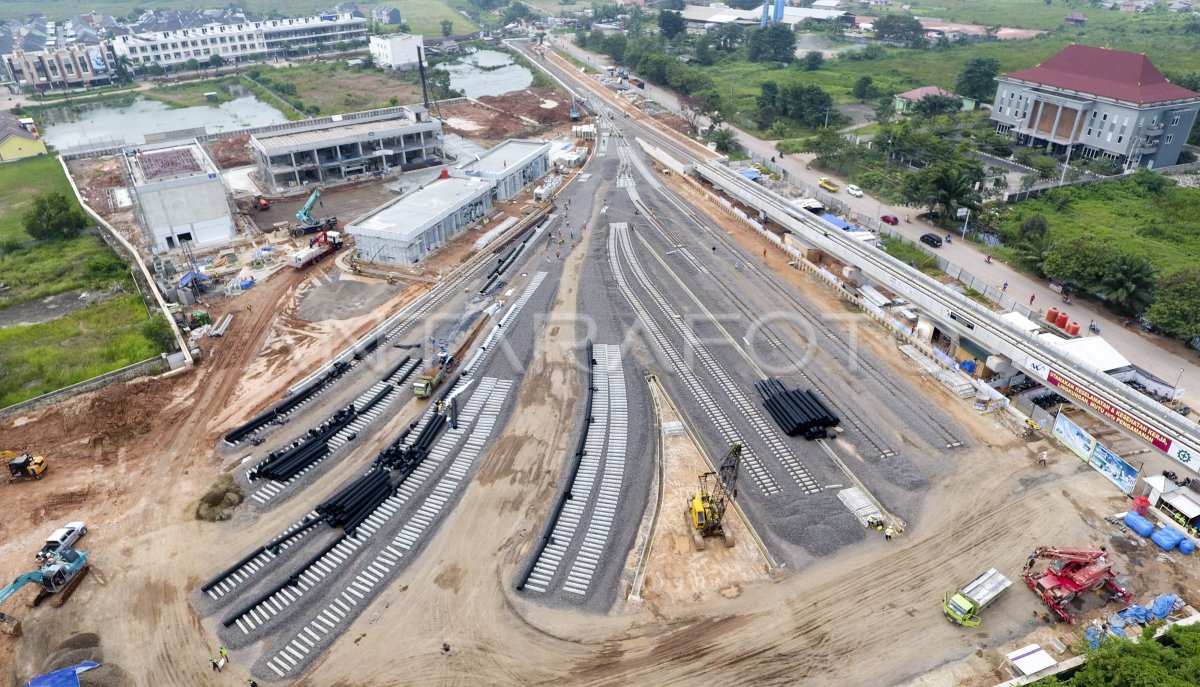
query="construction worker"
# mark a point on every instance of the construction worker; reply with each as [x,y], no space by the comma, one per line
[251,682]
[889,533]
[249,307]
[215,666]
[445,649]
[224,653]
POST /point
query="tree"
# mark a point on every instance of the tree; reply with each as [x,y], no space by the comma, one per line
[192,65]
[813,59]
[723,137]
[1128,284]
[159,332]
[368,61]
[670,24]
[1172,662]
[977,79]
[703,49]
[54,216]
[952,188]
[215,61]
[730,37]
[124,68]
[829,146]
[1033,226]
[1176,308]
[1081,262]
[776,43]
[900,28]
[935,105]
[447,28]
[863,89]
[155,69]
[1032,251]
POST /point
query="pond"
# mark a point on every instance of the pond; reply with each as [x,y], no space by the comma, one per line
[487,72]
[122,123]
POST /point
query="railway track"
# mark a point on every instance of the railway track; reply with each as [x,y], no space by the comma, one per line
[392,387]
[595,490]
[846,407]
[292,653]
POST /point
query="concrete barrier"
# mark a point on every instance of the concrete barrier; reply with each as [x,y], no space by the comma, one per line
[151,366]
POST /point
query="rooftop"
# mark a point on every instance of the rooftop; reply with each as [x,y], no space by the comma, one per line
[277,144]
[11,126]
[923,92]
[170,163]
[405,218]
[1107,73]
[512,153]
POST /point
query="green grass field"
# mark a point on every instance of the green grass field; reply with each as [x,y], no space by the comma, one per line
[43,270]
[1163,228]
[19,183]
[40,358]
[425,17]
[337,88]
[192,94]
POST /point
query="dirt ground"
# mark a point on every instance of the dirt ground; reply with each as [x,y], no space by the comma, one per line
[230,152]
[492,119]
[132,459]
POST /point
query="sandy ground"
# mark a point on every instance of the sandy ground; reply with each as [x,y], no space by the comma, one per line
[132,459]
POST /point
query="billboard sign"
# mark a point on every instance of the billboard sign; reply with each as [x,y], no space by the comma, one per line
[98,64]
[1073,437]
[1114,468]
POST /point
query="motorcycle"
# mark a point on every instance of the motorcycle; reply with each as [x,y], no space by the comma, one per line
[988,259]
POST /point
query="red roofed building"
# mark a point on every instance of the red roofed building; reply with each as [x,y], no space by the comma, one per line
[1097,102]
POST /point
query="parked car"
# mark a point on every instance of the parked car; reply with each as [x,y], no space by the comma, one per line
[63,538]
[827,184]
[889,219]
[931,240]
[854,191]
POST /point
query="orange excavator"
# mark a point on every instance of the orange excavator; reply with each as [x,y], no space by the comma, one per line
[1071,572]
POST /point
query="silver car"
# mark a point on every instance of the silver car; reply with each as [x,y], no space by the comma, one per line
[63,538]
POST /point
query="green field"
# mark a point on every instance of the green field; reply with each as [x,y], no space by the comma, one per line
[45,269]
[19,183]
[423,16]
[1164,228]
[40,358]
[336,88]
[192,94]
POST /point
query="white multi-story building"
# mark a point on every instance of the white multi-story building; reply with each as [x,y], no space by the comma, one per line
[397,51]
[237,42]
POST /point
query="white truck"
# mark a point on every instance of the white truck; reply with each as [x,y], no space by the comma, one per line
[964,606]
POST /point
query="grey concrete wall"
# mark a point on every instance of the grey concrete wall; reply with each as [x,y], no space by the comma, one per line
[151,366]
[199,208]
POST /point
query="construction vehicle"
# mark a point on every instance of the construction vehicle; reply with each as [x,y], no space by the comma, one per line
[24,466]
[319,246]
[58,579]
[308,223]
[444,361]
[706,509]
[574,109]
[261,203]
[1072,572]
[964,606]
[429,380]
[62,539]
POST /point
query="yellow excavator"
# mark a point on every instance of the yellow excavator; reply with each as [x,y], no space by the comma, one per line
[707,507]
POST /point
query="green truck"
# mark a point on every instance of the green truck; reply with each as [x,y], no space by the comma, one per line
[429,380]
[964,606]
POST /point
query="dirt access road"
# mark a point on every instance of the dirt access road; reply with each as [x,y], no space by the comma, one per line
[132,460]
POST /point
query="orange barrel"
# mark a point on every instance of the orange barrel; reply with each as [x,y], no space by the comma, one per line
[1061,322]
[1073,329]
[1052,315]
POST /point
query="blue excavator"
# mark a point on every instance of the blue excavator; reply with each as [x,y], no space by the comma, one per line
[58,578]
[308,223]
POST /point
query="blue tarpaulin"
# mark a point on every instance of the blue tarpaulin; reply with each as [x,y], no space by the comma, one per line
[1162,605]
[189,277]
[751,174]
[836,221]
[66,677]
[1095,636]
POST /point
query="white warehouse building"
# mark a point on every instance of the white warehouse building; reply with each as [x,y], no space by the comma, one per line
[180,197]
[512,166]
[398,51]
[405,230]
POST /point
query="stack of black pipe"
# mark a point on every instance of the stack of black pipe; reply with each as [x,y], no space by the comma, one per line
[283,407]
[797,412]
[350,506]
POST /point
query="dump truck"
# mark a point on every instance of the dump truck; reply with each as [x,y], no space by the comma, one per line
[444,360]
[964,606]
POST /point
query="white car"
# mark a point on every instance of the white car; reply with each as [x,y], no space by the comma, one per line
[854,191]
[63,538]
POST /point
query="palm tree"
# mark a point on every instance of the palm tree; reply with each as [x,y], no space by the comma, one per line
[1128,284]
[723,137]
[123,68]
[1032,251]
[953,189]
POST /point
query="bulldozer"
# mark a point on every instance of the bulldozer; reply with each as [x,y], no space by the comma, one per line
[23,466]
[706,509]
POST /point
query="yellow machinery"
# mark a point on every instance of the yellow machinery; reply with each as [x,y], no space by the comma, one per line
[24,466]
[706,509]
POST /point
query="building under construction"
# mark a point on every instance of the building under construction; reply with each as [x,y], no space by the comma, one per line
[380,141]
[180,197]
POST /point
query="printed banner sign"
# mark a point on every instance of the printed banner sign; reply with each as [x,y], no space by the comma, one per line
[1108,410]
[1114,468]
[1073,437]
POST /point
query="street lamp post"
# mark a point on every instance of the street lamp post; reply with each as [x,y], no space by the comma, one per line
[1175,391]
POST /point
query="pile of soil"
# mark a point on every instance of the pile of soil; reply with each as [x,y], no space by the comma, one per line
[230,152]
[84,646]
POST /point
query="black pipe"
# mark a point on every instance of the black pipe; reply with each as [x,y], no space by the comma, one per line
[231,570]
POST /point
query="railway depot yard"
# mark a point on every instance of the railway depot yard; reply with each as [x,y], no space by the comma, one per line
[533,436]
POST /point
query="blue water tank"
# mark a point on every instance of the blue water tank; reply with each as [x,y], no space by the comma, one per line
[1187,546]
[1165,539]
[1139,524]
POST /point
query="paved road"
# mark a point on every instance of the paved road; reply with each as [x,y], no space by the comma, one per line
[1162,357]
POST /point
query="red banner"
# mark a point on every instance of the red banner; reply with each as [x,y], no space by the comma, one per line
[1108,410]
